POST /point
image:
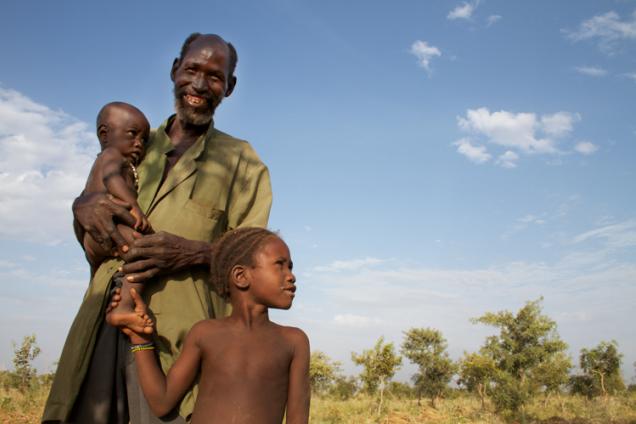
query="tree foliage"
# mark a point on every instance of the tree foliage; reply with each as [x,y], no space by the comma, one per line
[380,364]
[601,371]
[553,373]
[476,373]
[426,348]
[344,388]
[322,372]
[523,350]
[24,374]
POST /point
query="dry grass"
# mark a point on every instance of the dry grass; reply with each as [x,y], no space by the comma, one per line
[567,410]
[26,409]
[19,408]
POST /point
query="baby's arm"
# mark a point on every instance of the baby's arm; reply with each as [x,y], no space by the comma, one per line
[164,392]
[112,171]
[298,393]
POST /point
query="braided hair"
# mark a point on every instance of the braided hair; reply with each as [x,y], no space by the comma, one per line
[235,247]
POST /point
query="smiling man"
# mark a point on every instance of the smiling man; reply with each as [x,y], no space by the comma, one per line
[195,183]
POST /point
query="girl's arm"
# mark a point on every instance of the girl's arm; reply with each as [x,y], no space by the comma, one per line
[298,393]
[164,392]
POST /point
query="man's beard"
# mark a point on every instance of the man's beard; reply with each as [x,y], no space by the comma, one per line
[194,116]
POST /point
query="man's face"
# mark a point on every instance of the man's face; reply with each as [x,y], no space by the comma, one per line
[201,80]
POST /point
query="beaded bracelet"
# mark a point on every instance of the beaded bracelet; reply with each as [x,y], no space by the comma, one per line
[144,346]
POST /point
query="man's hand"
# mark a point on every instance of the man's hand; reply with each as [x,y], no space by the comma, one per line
[162,253]
[95,214]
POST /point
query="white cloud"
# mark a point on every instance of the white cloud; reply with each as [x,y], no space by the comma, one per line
[507,129]
[508,159]
[591,71]
[516,133]
[45,156]
[407,295]
[523,223]
[607,28]
[631,75]
[530,218]
[585,147]
[352,320]
[424,53]
[492,19]
[463,11]
[588,289]
[559,124]
[477,154]
[348,265]
[616,235]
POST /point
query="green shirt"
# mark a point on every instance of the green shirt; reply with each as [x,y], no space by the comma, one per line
[217,185]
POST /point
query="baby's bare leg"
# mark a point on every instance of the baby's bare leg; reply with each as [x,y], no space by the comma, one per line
[95,254]
[124,314]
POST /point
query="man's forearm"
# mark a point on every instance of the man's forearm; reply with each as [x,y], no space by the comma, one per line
[198,253]
[163,253]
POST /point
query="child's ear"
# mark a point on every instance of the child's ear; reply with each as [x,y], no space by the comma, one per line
[102,134]
[239,276]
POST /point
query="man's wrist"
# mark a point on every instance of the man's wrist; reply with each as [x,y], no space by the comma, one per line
[201,253]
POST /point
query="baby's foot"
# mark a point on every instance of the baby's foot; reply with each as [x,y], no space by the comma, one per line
[138,323]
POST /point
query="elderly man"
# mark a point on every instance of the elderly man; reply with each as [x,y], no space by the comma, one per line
[195,183]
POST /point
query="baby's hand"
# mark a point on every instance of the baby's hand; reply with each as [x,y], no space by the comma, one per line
[141,221]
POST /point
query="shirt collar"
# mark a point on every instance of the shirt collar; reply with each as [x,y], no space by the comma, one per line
[165,145]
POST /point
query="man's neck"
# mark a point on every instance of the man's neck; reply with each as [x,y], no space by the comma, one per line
[183,135]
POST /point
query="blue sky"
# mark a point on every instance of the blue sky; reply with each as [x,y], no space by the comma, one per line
[430,160]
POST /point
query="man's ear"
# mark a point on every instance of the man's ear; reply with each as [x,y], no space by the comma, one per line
[175,66]
[239,276]
[102,134]
[230,86]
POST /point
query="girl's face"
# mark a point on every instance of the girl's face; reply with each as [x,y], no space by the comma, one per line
[273,283]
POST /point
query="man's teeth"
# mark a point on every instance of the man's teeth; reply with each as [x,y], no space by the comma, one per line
[193,100]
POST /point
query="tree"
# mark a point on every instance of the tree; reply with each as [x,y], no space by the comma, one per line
[380,364]
[601,368]
[553,374]
[400,390]
[476,373]
[24,373]
[426,348]
[526,341]
[343,388]
[322,372]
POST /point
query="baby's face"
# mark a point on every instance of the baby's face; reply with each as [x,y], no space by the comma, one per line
[128,133]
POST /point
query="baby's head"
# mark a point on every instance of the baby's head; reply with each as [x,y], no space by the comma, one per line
[124,127]
[256,260]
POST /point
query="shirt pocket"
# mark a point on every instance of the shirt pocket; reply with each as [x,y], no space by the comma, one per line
[200,222]
[203,210]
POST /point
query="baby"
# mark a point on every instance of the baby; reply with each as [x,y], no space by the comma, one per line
[122,131]
[251,369]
